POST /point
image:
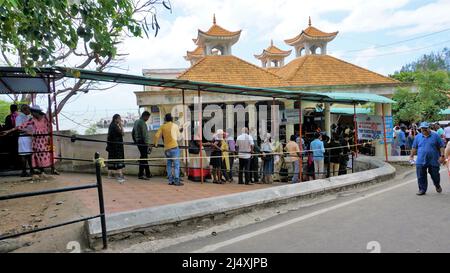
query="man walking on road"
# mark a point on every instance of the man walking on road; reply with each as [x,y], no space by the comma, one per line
[429,148]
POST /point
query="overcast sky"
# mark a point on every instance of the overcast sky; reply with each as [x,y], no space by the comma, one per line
[365,27]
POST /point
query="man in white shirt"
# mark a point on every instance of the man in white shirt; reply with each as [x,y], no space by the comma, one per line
[244,146]
[25,148]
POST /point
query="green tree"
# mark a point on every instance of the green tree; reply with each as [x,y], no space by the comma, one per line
[92,130]
[433,93]
[42,33]
[4,110]
[430,74]
[405,76]
[433,61]
[406,108]
[426,103]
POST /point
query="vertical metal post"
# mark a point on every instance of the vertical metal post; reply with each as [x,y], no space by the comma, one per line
[100,200]
[185,138]
[50,125]
[329,163]
[300,173]
[384,133]
[200,125]
[56,105]
[356,129]
[56,116]
[353,163]
[272,118]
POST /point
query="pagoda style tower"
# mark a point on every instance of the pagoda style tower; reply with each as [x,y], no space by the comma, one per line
[310,40]
[272,56]
[194,56]
[215,41]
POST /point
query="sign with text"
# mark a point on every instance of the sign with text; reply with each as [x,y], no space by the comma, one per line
[389,129]
[371,127]
[291,116]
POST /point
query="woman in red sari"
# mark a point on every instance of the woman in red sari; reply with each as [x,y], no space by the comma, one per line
[42,151]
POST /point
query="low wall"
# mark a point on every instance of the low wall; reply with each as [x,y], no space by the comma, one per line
[86,150]
[170,217]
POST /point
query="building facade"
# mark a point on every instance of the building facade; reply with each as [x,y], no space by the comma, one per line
[312,70]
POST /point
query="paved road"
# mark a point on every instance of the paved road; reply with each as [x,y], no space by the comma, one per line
[386,218]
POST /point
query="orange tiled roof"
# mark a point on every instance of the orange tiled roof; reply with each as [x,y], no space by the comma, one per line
[273,50]
[231,70]
[217,30]
[312,32]
[273,69]
[324,70]
[196,52]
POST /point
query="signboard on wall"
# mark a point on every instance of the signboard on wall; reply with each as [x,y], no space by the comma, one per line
[291,116]
[371,127]
[155,122]
[389,129]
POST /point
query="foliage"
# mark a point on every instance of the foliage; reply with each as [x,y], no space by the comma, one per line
[426,103]
[433,94]
[405,110]
[405,76]
[88,33]
[92,130]
[36,29]
[431,75]
[4,110]
[430,62]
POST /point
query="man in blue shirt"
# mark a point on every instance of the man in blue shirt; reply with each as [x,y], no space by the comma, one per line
[318,150]
[430,154]
[402,140]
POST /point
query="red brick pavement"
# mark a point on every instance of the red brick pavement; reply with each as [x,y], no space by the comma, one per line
[137,194]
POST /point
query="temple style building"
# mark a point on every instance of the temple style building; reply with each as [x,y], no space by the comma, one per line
[310,40]
[273,56]
[312,69]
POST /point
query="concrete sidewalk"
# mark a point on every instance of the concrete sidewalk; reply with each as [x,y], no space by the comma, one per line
[138,194]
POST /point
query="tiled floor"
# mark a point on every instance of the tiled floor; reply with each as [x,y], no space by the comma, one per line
[137,194]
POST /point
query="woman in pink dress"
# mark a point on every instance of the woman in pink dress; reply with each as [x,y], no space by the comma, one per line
[42,155]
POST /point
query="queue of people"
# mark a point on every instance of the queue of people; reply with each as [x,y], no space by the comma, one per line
[271,161]
[32,127]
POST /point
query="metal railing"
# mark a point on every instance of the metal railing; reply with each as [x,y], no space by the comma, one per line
[98,185]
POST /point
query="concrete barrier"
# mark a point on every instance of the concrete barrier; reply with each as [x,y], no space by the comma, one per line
[163,218]
[86,150]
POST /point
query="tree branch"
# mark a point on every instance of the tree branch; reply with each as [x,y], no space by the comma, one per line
[6,59]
